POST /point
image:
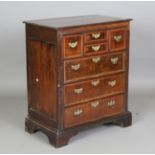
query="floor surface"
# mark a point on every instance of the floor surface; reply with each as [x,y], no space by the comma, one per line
[139,138]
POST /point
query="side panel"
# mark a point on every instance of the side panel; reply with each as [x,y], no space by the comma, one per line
[41,70]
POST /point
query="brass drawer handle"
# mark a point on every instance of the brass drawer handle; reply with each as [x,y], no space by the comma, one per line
[78,112]
[111,103]
[118,38]
[75,67]
[78,91]
[96,48]
[95,104]
[95,82]
[112,83]
[96,59]
[73,44]
[114,60]
[96,35]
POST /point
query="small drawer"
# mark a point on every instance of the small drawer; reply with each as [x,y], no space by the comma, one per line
[96,88]
[98,36]
[95,49]
[73,46]
[94,110]
[118,39]
[93,66]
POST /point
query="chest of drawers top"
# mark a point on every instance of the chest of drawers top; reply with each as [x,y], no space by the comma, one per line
[77,71]
[69,22]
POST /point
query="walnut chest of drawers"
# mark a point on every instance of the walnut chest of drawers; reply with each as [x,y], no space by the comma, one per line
[77,72]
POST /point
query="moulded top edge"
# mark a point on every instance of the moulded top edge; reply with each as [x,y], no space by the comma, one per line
[65,22]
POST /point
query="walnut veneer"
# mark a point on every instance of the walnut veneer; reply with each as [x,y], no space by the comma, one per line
[77,72]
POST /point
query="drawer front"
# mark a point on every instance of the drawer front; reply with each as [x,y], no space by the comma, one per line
[76,115]
[93,66]
[118,39]
[98,36]
[96,88]
[95,49]
[94,110]
[73,46]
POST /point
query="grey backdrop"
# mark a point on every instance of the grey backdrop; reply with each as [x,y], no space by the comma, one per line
[13,65]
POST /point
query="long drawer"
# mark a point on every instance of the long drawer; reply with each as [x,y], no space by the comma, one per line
[93,66]
[96,88]
[93,110]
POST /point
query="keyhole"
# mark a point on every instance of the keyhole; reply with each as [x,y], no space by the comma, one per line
[37,80]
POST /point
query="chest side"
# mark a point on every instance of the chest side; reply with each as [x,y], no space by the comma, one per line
[42,73]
